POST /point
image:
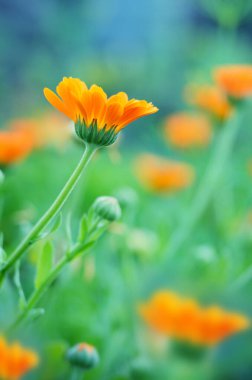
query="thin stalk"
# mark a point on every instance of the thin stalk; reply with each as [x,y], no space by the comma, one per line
[77,374]
[207,186]
[51,212]
[38,293]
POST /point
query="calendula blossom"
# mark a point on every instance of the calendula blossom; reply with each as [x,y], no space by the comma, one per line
[98,119]
[185,319]
[162,175]
[16,143]
[235,80]
[209,98]
[188,130]
[15,360]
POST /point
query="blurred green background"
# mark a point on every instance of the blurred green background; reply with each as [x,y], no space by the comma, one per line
[149,49]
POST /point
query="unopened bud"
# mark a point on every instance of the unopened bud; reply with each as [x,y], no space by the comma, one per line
[83,356]
[107,208]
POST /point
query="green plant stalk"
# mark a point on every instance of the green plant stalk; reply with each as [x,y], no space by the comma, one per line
[207,186]
[77,374]
[38,293]
[51,212]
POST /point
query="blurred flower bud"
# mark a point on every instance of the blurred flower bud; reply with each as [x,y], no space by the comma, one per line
[127,197]
[107,208]
[83,355]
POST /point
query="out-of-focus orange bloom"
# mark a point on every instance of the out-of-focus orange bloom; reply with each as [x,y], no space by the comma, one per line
[185,319]
[15,361]
[209,98]
[93,112]
[235,80]
[185,130]
[46,130]
[16,144]
[162,175]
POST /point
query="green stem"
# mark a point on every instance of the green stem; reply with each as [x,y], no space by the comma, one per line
[38,293]
[77,374]
[51,212]
[207,186]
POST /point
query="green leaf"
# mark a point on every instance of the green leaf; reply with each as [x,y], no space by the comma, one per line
[83,228]
[45,263]
[52,229]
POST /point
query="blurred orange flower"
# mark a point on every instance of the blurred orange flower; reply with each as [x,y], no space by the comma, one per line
[162,175]
[210,98]
[185,319]
[15,361]
[97,118]
[185,130]
[16,144]
[235,80]
[46,130]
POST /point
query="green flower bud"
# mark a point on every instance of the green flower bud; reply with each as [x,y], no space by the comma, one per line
[83,356]
[107,208]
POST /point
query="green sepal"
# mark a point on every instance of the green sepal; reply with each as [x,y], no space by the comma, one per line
[93,135]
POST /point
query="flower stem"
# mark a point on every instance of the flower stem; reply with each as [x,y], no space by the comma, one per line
[38,293]
[51,212]
[207,186]
[77,374]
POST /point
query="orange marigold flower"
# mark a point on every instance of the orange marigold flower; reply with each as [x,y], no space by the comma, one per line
[15,361]
[185,319]
[185,130]
[97,118]
[162,175]
[16,143]
[210,98]
[235,80]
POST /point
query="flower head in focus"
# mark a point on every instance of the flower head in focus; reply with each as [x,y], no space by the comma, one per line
[97,118]
[186,130]
[235,80]
[209,98]
[162,175]
[184,319]
[15,360]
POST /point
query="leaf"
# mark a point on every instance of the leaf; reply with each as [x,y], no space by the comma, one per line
[83,228]
[45,263]
[52,229]
[56,224]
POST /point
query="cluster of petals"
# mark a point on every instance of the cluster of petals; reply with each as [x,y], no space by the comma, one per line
[171,315]
[209,98]
[92,105]
[235,80]
[163,175]
[187,130]
[15,361]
